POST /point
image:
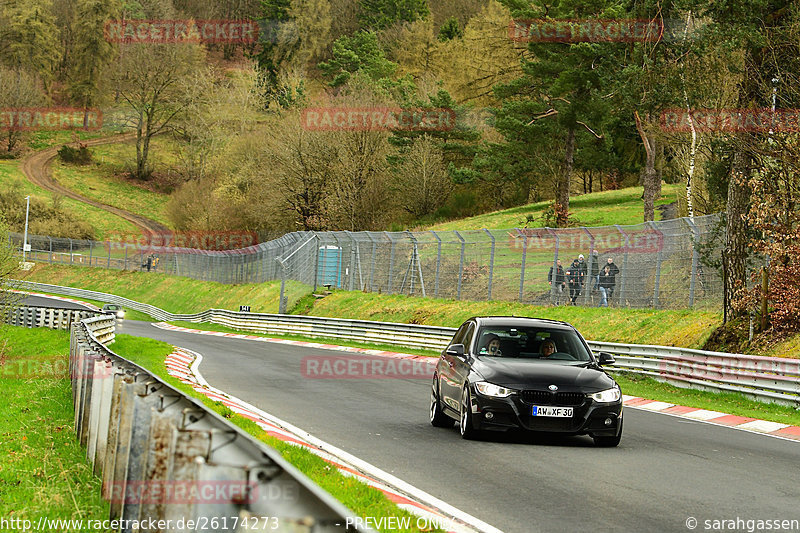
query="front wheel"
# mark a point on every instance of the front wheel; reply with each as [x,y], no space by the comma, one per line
[438,418]
[465,426]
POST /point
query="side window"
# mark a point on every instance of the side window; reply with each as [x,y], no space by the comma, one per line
[459,336]
[468,337]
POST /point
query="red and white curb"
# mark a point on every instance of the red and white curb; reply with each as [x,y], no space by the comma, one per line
[62,298]
[765,427]
[431,512]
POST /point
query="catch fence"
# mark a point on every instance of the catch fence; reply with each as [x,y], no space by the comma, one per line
[658,263]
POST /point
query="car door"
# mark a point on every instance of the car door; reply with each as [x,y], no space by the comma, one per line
[448,388]
[461,368]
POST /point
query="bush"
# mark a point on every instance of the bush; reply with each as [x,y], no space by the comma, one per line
[78,156]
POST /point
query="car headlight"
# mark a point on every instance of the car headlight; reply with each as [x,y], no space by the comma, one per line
[120,314]
[607,396]
[490,389]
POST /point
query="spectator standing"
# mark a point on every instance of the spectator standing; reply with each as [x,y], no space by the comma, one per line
[614,271]
[606,285]
[559,280]
[595,271]
[575,278]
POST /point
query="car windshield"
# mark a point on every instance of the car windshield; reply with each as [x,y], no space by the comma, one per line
[539,343]
[112,307]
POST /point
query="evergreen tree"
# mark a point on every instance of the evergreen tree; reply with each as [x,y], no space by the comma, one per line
[450,30]
[360,53]
[378,14]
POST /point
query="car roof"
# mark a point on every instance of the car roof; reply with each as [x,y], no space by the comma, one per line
[521,321]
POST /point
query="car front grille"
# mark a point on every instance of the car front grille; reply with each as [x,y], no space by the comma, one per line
[538,397]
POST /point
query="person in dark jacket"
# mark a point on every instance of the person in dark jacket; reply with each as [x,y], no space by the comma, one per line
[608,280]
[575,276]
[595,271]
[560,284]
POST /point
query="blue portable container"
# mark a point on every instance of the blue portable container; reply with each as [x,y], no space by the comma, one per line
[329,266]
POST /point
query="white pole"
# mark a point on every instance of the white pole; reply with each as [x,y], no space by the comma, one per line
[25,238]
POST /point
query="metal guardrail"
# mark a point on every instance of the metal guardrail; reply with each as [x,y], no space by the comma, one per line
[165,456]
[769,379]
[47,317]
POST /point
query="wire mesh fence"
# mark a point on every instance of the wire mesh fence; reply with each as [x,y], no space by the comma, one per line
[657,263]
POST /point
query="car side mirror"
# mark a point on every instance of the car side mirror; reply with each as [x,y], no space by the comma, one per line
[605,358]
[456,350]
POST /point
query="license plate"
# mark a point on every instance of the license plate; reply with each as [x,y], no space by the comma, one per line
[557,412]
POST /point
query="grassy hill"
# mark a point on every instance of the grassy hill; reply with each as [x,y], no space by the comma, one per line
[622,206]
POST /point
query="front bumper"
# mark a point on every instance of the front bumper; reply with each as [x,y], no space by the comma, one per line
[589,417]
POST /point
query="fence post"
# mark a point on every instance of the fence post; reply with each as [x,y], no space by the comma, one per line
[461,264]
[340,281]
[659,257]
[624,271]
[438,264]
[51,250]
[588,289]
[282,302]
[126,257]
[316,261]
[91,249]
[352,259]
[491,263]
[372,266]
[695,260]
[554,278]
[391,262]
[522,268]
[70,250]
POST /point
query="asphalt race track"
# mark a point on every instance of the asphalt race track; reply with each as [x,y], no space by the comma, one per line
[665,470]
[42,301]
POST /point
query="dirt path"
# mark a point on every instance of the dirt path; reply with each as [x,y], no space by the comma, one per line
[36,168]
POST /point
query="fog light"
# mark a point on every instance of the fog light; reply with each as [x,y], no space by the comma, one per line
[608,421]
[489,415]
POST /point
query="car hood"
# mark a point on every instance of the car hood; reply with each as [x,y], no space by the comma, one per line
[534,374]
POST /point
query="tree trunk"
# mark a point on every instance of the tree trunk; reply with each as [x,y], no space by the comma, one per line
[651,181]
[563,183]
[735,256]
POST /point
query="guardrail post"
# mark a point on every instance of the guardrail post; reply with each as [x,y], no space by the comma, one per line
[438,264]
[554,287]
[624,270]
[588,288]
[659,258]
[491,263]
[522,267]
[695,260]
[391,261]
[460,264]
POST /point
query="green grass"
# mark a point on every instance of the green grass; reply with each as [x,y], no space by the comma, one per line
[101,181]
[43,469]
[171,293]
[42,140]
[685,328]
[726,402]
[103,222]
[357,496]
[623,206]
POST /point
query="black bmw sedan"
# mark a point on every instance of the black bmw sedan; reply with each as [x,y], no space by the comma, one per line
[501,373]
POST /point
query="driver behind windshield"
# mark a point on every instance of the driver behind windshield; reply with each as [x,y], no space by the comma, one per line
[491,345]
[548,348]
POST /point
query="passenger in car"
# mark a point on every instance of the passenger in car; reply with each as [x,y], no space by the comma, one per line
[492,345]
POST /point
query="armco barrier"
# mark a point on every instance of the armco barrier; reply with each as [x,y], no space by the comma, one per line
[46,317]
[165,456]
[764,378]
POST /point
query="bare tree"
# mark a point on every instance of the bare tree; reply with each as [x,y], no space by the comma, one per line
[422,183]
[18,89]
[150,83]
